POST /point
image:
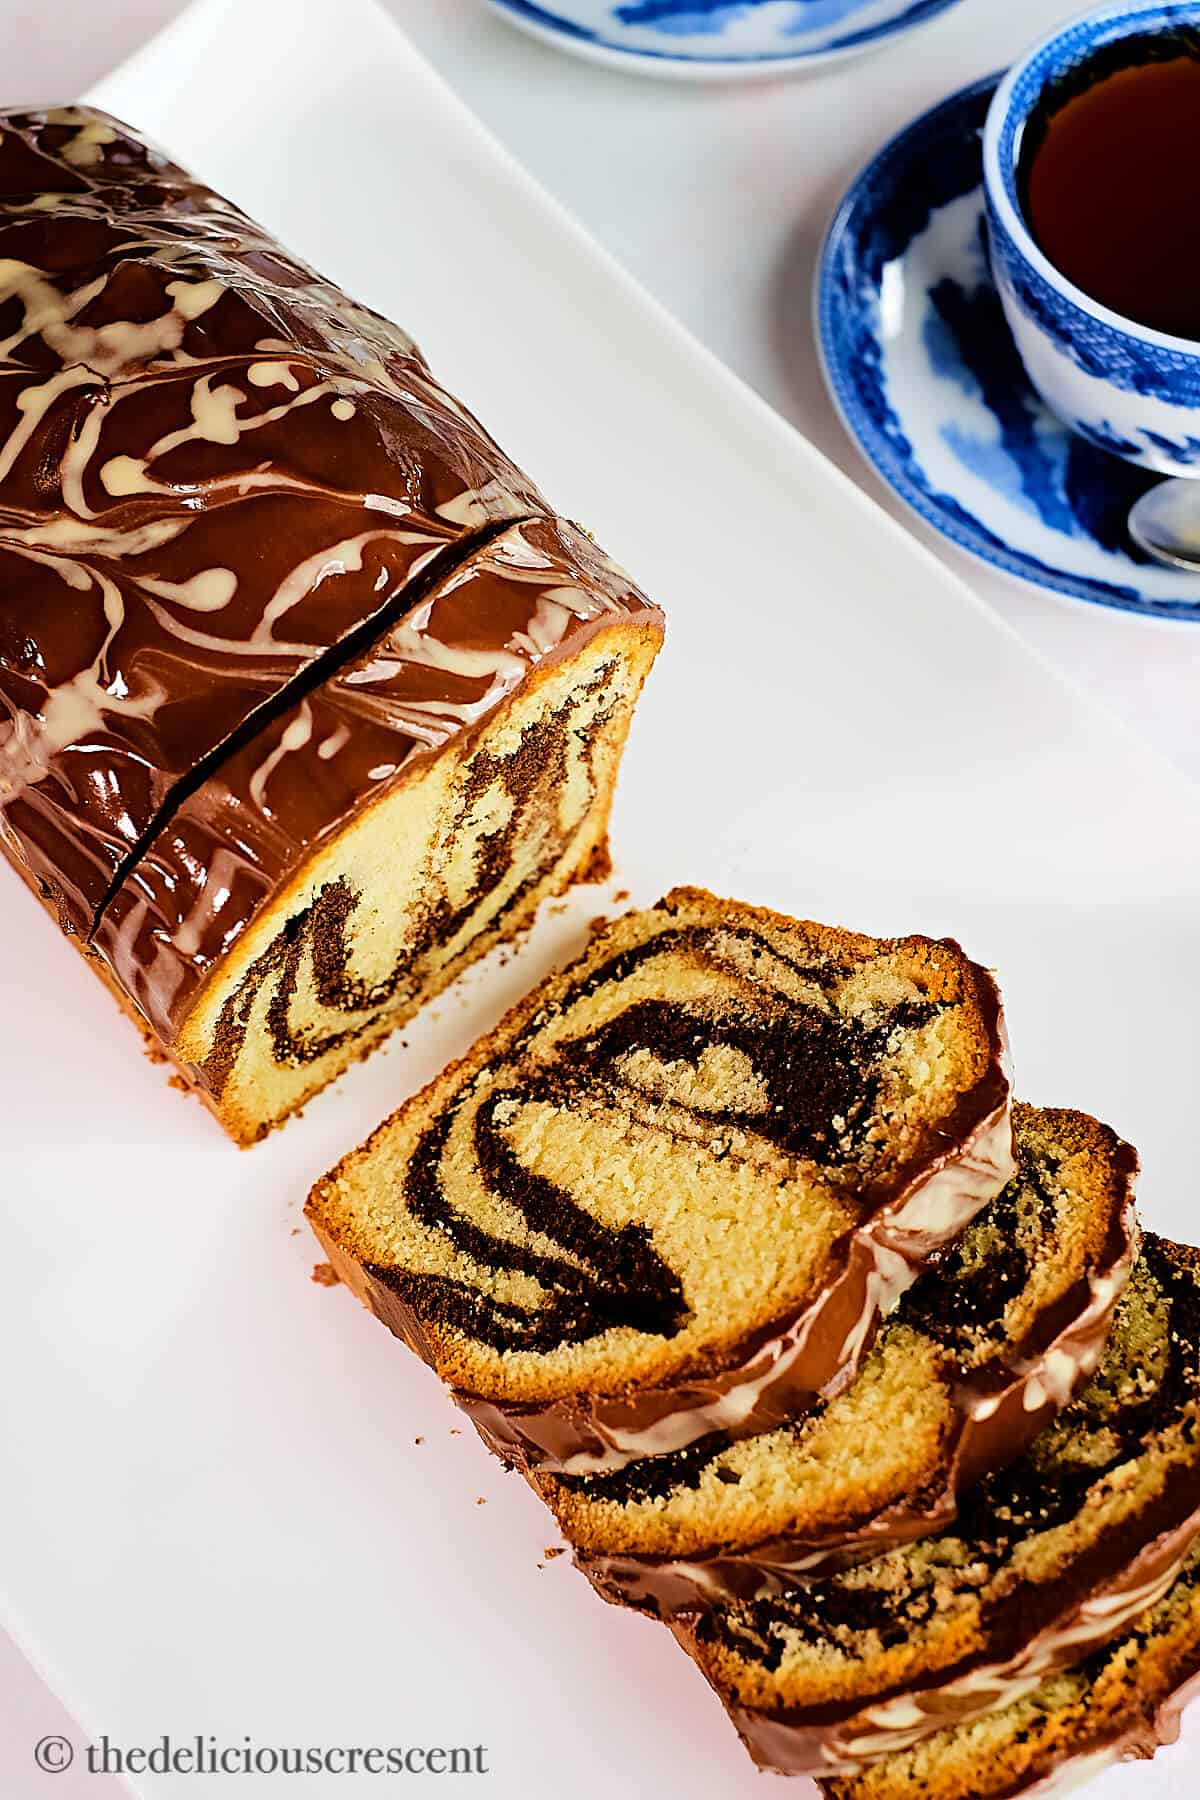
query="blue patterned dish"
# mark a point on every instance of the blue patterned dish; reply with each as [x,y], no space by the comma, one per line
[924,371]
[717,39]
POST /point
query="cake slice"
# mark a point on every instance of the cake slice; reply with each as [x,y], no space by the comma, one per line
[677,1185]
[1121,1703]
[981,1354]
[1048,1560]
[306,697]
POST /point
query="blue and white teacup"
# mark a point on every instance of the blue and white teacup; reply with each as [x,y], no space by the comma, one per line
[1123,386]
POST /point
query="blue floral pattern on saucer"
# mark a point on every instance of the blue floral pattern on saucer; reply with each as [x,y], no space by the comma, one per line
[924,372]
[712,36]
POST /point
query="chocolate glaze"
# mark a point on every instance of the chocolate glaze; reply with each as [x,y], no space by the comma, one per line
[249,562]
[1001,1407]
[784,1366]
[213,465]
[1036,1629]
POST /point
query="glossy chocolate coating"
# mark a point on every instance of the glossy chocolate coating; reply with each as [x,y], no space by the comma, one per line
[213,465]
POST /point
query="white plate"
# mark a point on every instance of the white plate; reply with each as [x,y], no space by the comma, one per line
[213,1515]
[720,40]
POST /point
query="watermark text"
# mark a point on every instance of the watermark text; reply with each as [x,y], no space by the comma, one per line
[206,1755]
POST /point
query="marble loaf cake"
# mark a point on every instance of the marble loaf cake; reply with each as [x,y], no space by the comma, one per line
[676,1188]
[306,696]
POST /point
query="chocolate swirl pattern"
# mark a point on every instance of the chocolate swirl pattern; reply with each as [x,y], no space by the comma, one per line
[1049,1560]
[709,1088]
[255,565]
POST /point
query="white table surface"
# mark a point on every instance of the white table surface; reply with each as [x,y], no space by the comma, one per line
[716,198]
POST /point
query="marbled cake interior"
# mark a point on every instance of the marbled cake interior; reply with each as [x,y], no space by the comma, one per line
[427,877]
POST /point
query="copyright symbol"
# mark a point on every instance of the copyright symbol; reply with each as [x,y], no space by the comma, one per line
[54,1754]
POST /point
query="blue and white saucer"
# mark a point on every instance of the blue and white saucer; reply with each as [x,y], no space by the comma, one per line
[924,372]
[717,39]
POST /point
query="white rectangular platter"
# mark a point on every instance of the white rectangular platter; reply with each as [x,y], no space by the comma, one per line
[217,1513]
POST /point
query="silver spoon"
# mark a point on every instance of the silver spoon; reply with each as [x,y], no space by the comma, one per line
[1165,523]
